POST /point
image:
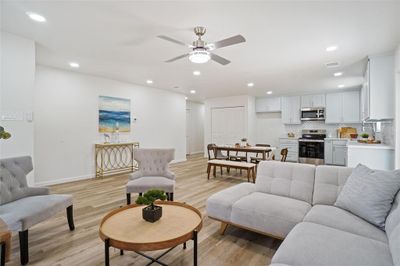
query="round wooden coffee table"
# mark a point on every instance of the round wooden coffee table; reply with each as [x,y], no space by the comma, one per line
[5,243]
[125,229]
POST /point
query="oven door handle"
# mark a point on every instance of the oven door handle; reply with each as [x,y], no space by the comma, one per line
[311,140]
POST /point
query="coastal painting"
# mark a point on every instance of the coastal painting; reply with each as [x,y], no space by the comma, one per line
[114,114]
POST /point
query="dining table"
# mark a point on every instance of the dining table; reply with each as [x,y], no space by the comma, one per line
[247,149]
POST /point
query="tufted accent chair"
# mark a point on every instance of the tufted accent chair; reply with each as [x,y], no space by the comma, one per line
[153,172]
[21,206]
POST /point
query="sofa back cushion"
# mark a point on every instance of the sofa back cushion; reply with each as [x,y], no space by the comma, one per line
[153,162]
[329,181]
[392,228]
[291,180]
[13,173]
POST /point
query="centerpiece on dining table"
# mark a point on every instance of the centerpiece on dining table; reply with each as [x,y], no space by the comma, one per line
[151,213]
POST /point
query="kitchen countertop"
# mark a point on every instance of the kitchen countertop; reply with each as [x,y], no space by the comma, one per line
[357,145]
[337,139]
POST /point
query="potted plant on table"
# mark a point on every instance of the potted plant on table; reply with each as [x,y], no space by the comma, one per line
[152,212]
[244,142]
[4,134]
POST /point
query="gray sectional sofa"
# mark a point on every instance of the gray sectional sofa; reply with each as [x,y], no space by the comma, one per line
[294,202]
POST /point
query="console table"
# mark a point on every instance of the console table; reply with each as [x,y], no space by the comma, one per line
[115,158]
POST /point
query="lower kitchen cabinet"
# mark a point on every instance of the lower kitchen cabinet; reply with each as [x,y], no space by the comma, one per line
[293,149]
[336,152]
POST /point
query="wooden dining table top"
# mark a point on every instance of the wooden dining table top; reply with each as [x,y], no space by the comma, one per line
[245,148]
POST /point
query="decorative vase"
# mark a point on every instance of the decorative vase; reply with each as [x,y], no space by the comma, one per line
[152,213]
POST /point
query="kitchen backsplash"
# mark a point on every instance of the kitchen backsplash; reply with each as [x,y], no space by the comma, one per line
[386,134]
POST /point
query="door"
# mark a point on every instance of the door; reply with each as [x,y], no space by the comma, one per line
[328,152]
[333,112]
[351,107]
[339,155]
[227,125]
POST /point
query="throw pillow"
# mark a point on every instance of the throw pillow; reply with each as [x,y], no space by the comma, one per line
[369,193]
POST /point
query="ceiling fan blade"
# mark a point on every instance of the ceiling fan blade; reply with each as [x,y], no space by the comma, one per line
[227,42]
[176,58]
[219,59]
[173,40]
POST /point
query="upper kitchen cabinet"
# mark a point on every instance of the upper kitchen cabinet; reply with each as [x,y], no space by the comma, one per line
[315,100]
[377,95]
[290,110]
[343,107]
[268,104]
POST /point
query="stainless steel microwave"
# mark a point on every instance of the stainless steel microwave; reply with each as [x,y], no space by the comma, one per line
[313,114]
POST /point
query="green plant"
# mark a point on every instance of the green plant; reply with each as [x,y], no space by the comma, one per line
[150,196]
[4,134]
[364,135]
[243,139]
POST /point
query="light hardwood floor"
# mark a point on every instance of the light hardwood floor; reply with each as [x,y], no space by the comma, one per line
[51,243]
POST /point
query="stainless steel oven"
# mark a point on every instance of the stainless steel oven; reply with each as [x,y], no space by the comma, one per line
[313,114]
[311,147]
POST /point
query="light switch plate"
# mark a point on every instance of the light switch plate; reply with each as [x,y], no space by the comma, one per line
[12,116]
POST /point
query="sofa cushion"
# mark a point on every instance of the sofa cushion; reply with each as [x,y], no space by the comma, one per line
[22,214]
[392,228]
[219,205]
[329,181]
[286,179]
[369,193]
[270,214]
[310,244]
[146,183]
[343,220]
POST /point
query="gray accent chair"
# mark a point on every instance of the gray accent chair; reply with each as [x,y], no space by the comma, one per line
[22,207]
[153,173]
[294,202]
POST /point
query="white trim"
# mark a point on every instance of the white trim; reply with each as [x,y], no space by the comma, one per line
[64,180]
[196,152]
[179,160]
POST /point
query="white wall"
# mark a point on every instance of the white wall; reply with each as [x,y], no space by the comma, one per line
[16,95]
[397,131]
[66,121]
[248,102]
[195,126]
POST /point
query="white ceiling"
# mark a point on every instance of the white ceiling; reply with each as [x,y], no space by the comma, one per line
[284,52]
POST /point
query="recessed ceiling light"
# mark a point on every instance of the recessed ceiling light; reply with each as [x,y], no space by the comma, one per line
[341,86]
[331,48]
[338,74]
[186,98]
[196,73]
[269,92]
[149,81]
[251,84]
[36,17]
[193,91]
[74,64]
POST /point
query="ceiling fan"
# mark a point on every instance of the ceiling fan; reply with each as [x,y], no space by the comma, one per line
[201,50]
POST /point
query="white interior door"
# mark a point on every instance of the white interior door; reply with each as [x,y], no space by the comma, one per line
[227,125]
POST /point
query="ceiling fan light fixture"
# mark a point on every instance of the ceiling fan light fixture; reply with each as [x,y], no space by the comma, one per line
[199,56]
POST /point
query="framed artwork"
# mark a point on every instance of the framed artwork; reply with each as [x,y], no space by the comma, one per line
[114,114]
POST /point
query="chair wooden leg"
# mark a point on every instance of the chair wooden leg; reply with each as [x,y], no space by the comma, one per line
[171,196]
[215,171]
[208,171]
[70,217]
[23,247]
[128,198]
[221,169]
[248,175]
[223,228]
[253,171]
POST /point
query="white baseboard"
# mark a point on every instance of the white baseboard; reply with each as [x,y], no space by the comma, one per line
[196,152]
[63,180]
[179,160]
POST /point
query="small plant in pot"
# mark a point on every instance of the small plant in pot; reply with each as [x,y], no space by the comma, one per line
[364,135]
[152,212]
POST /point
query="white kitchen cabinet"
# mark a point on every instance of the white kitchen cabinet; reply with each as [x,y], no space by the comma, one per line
[378,101]
[290,110]
[375,156]
[343,107]
[268,104]
[314,100]
[335,152]
[293,149]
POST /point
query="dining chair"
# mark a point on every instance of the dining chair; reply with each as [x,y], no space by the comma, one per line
[257,159]
[214,154]
[284,153]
